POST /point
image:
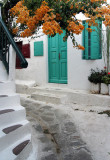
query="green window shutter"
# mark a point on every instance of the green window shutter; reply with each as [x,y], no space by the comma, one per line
[96,52]
[92,42]
[38,48]
[85,40]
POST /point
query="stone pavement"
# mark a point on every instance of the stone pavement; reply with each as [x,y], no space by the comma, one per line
[55,132]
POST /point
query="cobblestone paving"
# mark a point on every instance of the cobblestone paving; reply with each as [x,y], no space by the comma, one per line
[56,134]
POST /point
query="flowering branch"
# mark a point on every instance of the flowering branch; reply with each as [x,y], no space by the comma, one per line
[55,15]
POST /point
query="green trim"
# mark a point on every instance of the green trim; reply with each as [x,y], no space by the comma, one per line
[58,81]
[48,59]
[92,42]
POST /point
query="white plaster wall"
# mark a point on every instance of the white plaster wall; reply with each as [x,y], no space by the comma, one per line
[12,58]
[4,76]
[79,69]
[37,65]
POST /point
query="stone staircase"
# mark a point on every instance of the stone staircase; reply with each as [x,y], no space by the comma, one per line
[41,94]
[60,95]
[16,142]
[15,135]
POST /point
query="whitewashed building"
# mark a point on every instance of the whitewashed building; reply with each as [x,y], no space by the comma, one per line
[53,61]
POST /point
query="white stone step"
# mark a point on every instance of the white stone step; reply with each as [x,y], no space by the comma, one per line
[25,89]
[15,116]
[25,86]
[88,99]
[49,98]
[3,132]
[26,83]
[7,139]
[27,151]
[42,93]
[7,87]
[10,100]
[77,96]
[51,90]
[25,99]
[71,96]
[7,153]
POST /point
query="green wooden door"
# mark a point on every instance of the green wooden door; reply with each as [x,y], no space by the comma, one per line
[57,59]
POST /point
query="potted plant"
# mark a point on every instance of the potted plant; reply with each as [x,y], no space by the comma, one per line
[105,85]
[96,78]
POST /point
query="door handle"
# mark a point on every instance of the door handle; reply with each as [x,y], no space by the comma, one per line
[59,56]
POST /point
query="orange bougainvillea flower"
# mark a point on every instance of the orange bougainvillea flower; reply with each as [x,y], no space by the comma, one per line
[31,23]
[16,9]
[107,20]
[93,1]
[49,17]
[89,29]
[51,28]
[58,17]
[40,12]
[53,18]
[71,7]
[15,30]
[80,47]
[26,33]
[75,28]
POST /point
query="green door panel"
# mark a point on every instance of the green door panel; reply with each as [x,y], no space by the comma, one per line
[53,59]
[57,59]
[63,59]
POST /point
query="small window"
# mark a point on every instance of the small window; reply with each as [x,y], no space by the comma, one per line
[92,42]
[38,48]
[25,49]
[18,63]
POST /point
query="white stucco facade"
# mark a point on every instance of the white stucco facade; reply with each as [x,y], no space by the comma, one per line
[37,65]
[78,69]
